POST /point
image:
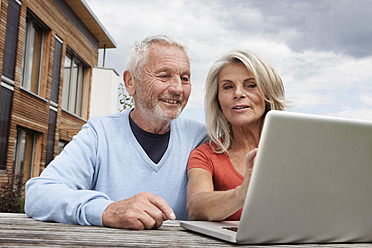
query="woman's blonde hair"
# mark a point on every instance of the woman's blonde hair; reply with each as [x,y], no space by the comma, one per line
[268,82]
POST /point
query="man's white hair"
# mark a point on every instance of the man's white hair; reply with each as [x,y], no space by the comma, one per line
[139,54]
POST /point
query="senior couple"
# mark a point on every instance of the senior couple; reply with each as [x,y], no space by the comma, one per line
[128,170]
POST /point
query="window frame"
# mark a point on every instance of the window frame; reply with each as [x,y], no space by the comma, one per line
[28,56]
[61,145]
[20,150]
[74,83]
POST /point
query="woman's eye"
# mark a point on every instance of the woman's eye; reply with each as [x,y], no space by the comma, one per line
[251,85]
[226,87]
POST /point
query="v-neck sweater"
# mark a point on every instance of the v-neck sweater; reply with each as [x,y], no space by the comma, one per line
[105,163]
[153,144]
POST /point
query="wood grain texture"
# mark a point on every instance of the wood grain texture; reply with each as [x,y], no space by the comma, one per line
[18,230]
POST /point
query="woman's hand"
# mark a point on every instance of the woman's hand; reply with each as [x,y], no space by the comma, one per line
[249,161]
[203,203]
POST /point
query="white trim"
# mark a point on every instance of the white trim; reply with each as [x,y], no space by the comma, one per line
[32,93]
[53,108]
[19,2]
[75,115]
[54,104]
[5,85]
[7,80]
[59,39]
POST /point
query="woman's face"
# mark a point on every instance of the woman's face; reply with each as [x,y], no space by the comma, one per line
[241,102]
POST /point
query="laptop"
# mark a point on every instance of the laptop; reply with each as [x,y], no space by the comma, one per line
[311,183]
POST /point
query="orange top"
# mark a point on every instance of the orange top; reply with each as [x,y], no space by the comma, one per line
[224,175]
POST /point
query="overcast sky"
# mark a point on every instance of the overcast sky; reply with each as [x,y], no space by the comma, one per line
[322,49]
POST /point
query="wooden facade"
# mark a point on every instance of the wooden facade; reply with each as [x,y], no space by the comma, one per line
[70,23]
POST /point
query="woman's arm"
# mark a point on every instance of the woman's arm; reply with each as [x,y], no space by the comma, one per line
[203,203]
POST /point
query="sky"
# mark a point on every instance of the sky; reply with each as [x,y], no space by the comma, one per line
[322,49]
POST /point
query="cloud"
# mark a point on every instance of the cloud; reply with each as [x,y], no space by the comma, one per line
[322,49]
[339,26]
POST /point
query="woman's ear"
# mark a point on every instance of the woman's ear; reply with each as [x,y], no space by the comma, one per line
[130,82]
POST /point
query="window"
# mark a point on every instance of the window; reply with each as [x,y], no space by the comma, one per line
[51,135]
[11,40]
[73,84]
[61,145]
[6,96]
[24,155]
[32,54]
[56,69]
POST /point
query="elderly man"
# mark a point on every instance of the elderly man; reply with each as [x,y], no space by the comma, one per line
[127,170]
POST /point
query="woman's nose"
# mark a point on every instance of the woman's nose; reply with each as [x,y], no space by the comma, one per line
[239,93]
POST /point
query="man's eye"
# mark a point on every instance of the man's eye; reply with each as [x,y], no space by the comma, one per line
[185,79]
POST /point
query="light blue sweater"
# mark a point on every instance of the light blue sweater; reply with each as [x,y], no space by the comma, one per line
[105,163]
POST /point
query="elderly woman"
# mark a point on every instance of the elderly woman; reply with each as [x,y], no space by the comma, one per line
[240,89]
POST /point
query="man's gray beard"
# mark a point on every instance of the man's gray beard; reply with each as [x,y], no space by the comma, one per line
[158,111]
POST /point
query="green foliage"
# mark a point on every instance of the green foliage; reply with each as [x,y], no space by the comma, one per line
[126,101]
[11,195]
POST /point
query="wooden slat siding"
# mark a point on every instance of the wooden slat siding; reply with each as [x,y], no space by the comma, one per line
[28,110]
[87,93]
[17,78]
[46,76]
[49,13]
[67,119]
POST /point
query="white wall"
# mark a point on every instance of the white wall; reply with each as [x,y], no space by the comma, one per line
[104,94]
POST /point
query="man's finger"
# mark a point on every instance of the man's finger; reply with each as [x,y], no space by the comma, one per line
[161,204]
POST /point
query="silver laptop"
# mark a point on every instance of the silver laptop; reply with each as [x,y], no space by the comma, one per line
[311,183]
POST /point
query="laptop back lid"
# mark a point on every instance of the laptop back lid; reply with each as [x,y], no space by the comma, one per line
[311,182]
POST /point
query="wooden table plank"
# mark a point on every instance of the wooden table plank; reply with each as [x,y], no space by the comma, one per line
[18,230]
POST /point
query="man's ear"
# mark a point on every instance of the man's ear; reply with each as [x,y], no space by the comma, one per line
[130,82]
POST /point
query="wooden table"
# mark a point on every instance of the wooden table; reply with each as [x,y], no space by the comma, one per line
[17,230]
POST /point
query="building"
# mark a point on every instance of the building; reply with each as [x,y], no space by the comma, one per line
[104,93]
[48,49]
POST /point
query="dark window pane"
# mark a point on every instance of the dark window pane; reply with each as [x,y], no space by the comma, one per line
[6,96]
[56,70]
[51,136]
[11,38]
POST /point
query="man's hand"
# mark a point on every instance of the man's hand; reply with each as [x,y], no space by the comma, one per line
[141,211]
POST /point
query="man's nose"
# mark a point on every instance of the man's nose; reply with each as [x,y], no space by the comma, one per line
[176,85]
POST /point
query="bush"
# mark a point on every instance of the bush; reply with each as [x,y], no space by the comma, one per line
[11,195]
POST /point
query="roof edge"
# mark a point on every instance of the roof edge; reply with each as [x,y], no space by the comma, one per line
[90,20]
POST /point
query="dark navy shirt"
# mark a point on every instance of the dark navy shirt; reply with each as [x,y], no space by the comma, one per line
[154,145]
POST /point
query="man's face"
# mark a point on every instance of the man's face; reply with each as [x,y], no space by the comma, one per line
[165,85]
